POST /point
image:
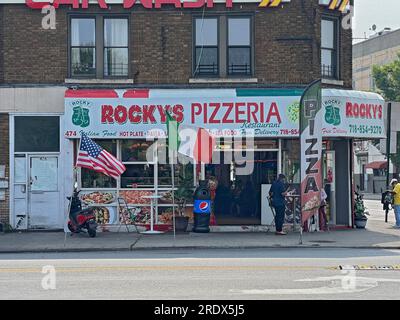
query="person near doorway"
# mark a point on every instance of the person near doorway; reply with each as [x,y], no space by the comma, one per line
[323,221]
[236,197]
[396,201]
[222,198]
[277,193]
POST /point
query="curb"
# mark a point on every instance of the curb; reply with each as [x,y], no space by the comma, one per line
[126,249]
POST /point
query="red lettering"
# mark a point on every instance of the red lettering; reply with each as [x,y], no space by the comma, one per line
[375,109]
[195,110]
[159,3]
[163,112]
[362,110]
[349,109]
[120,114]
[252,113]
[226,119]
[102,4]
[74,3]
[368,111]
[36,5]
[107,112]
[238,112]
[356,110]
[261,111]
[148,4]
[380,111]
[198,4]
[216,106]
[273,112]
[148,114]
[135,114]
[178,112]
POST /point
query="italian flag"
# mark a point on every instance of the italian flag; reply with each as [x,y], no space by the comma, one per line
[193,142]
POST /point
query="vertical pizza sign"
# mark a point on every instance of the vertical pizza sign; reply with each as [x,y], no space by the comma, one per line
[311,150]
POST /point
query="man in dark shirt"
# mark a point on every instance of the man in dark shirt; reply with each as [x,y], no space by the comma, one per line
[278,192]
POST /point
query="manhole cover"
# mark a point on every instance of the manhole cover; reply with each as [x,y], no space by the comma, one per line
[322,241]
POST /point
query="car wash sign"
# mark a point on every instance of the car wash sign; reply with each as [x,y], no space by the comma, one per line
[311,150]
[148,4]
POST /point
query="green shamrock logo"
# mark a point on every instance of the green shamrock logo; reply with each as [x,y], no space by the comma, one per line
[332,115]
[80,117]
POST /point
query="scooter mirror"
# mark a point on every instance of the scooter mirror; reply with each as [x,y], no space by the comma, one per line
[76,185]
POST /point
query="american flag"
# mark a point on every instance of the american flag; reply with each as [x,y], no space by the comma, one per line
[94,157]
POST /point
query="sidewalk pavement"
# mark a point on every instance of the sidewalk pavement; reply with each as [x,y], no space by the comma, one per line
[372,196]
[377,235]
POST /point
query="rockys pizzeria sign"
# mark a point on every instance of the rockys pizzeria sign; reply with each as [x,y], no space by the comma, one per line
[124,114]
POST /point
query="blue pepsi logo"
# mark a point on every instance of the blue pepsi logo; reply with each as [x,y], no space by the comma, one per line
[203,205]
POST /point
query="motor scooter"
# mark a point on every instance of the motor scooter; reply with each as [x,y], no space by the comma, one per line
[81,219]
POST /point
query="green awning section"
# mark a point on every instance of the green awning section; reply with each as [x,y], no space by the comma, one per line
[269,92]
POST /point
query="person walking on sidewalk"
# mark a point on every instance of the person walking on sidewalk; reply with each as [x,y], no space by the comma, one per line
[396,201]
[278,192]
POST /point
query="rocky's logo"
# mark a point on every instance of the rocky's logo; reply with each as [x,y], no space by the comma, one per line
[80,116]
[332,112]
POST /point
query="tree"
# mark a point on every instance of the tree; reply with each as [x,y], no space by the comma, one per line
[387,80]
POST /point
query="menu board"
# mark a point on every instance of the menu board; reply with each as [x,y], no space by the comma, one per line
[103,204]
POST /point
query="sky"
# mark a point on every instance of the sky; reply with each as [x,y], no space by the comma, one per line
[382,13]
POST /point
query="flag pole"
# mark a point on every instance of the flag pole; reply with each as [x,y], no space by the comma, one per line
[75,178]
[173,190]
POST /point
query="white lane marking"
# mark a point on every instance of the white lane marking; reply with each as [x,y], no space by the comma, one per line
[361,284]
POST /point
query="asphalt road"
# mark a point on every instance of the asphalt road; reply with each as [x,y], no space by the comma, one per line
[202,274]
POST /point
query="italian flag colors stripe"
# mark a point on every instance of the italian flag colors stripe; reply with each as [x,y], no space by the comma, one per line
[196,143]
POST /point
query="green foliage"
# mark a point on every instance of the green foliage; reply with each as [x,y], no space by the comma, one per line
[184,193]
[387,80]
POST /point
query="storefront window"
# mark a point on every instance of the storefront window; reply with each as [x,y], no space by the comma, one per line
[92,179]
[136,150]
[138,176]
[291,160]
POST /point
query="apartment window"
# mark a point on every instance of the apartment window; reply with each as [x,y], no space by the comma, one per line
[115,47]
[83,47]
[239,46]
[329,48]
[206,46]
[223,46]
[99,47]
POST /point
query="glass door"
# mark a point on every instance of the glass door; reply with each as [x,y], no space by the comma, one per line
[44,196]
[329,182]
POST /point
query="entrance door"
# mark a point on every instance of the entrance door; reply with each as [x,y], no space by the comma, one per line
[238,199]
[44,193]
[330,184]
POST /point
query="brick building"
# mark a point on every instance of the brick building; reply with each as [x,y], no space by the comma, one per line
[169,56]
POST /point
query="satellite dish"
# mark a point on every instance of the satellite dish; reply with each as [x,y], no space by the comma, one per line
[374,27]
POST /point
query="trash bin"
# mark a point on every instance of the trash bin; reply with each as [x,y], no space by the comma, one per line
[202,208]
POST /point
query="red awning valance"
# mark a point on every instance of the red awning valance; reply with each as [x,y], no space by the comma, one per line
[377,165]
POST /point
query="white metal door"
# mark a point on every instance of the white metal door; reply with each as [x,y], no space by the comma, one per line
[20,197]
[44,193]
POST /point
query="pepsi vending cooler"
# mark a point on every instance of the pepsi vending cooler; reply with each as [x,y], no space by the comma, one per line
[202,208]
